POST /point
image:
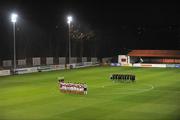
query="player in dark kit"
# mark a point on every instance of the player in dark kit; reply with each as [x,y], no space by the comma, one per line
[133,78]
[123,78]
[85,89]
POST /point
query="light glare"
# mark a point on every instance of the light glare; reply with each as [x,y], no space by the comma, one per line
[14,17]
[69,19]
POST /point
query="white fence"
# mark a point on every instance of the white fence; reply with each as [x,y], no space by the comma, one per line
[7,63]
[62,60]
[49,61]
[106,60]
[36,61]
[4,72]
[22,62]
[84,59]
[94,59]
[73,60]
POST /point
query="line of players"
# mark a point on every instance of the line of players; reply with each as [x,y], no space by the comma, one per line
[73,88]
[123,77]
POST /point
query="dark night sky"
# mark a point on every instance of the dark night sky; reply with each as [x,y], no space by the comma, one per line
[42,30]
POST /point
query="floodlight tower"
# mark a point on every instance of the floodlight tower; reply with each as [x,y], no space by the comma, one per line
[14,20]
[69,20]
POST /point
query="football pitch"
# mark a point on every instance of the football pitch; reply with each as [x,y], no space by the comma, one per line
[154,96]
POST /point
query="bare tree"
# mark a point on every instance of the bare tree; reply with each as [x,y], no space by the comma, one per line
[81,36]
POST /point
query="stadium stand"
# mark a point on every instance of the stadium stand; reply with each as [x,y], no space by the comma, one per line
[156,56]
[155,53]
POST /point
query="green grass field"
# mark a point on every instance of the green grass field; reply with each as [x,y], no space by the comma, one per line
[154,96]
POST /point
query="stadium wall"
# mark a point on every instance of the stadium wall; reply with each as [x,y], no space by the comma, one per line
[21,62]
[157,65]
[149,65]
[4,72]
[42,61]
[106,60]
[49,61]
[36,61]
[38,64]
[7,63]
